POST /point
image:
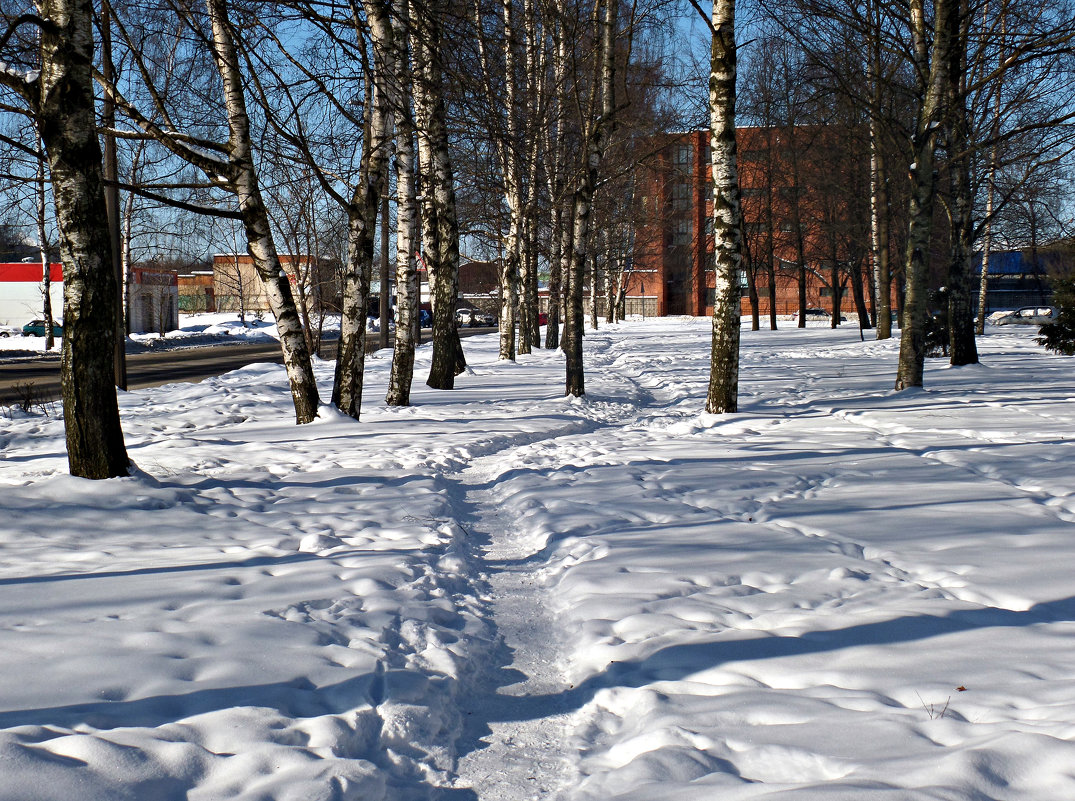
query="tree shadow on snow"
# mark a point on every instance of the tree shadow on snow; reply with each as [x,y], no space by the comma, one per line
[677,662]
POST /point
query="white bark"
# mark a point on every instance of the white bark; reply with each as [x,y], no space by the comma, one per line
[408,299]
[723,395]
[362,212]
[260,245]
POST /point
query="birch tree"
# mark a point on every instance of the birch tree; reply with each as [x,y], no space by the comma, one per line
[440,225]
[599,126]
[723,393]
[362,212]
[231,166]
[991,185]
[408,299]
[41,221]
[932,62]
[59,94]
[556,181]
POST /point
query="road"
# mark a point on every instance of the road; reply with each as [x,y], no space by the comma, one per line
[41,376]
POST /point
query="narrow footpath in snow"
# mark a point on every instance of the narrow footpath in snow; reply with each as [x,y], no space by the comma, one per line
[517,721]
[839,593]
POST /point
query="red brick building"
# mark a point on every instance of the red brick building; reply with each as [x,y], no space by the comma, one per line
[805,196]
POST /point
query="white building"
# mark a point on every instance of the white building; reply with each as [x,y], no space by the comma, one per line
[154,296]
[20,292]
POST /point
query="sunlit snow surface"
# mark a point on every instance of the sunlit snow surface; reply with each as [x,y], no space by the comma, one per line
[841,592]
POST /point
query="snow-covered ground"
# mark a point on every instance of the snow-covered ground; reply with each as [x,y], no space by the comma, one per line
[194,330]
[500,594]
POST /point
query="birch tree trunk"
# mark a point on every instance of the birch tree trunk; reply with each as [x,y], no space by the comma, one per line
[255,217]
[556,184]
[595,276]
[723,394]
[882,271]
[408,301]
[530,285]
[440,227]
[41,187]
[770,231]
[935,78]
[509,265]
[567,254]
[879,231]
[987,245]
[613,276]
[408,298]
[384,310]
[834,277]
[66,120]
[599,132]
[537,91]
[362,213]
[962,346]
[552,328]
[990,189]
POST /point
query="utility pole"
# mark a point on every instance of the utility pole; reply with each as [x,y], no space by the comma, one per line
[111,178]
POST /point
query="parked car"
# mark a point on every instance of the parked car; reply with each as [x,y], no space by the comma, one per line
[37,328]
[817,314]
[474,318]
[1028,315]
[10,331]
[543,318]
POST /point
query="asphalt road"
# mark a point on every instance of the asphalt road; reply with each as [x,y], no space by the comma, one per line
[40,377]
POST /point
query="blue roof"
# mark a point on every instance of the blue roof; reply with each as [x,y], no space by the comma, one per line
[1003,262]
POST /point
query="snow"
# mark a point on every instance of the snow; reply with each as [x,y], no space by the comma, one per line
[841,592]
[195,330]
[28,76]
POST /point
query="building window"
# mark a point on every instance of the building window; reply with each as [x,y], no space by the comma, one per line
[826,292]
[683,155]
[683,232]
[681,195]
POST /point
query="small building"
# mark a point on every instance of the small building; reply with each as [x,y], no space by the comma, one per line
[21,298]
[479,285]
[197,292]
[1017,279]
[237,285]
[153,302]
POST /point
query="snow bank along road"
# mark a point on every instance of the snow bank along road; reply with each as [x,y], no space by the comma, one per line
[501,594]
